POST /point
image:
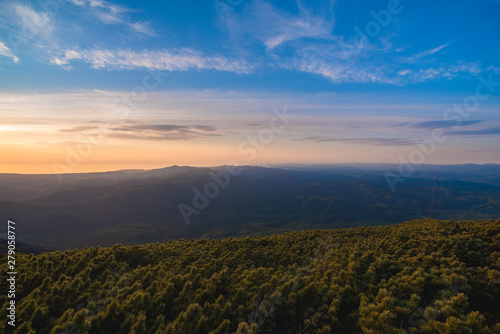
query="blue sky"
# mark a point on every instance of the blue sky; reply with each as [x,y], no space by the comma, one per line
[351,71]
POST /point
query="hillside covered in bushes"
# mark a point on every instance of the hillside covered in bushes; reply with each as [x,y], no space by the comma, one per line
[422,276]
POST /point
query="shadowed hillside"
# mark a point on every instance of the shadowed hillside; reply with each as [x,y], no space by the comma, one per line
[140,207]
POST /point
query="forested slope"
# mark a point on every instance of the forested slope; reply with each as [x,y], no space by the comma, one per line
[422,276]
[146,208]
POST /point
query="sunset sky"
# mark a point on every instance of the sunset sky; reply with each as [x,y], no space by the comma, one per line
[89,85]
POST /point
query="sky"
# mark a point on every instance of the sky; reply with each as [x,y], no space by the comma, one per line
[90,85]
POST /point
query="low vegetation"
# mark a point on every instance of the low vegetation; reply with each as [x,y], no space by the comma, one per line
[422,276]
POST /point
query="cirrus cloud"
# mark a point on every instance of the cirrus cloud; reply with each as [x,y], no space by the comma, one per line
[5,51]
[157,60]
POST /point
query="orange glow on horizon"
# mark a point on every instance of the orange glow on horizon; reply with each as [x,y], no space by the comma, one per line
[61,159]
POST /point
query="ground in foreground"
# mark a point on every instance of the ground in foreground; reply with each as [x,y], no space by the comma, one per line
[423,276]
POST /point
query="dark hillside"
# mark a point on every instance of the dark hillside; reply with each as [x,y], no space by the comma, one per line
[145,208]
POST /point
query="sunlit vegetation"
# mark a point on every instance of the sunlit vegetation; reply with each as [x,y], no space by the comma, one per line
[423,276]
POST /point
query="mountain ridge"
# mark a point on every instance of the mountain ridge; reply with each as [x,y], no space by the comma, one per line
[143,206]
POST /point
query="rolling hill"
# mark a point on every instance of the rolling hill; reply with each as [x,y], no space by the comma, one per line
[132,207]
[422,276]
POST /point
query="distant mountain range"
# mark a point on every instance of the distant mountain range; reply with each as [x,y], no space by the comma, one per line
[137,206]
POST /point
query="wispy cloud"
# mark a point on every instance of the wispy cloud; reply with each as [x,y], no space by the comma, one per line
[494,69]
[5,51]
[274,27]
[442,71]
[104,11]
[361,141]
[359,70]
[284,28]
[400,124]
[108,13]
[159,60]
[426,53]
[442,124]
[340,63]
[306,41]
[340,72]
[113,14]
[480,132]
[35,23]
[151,132]
[143,28]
